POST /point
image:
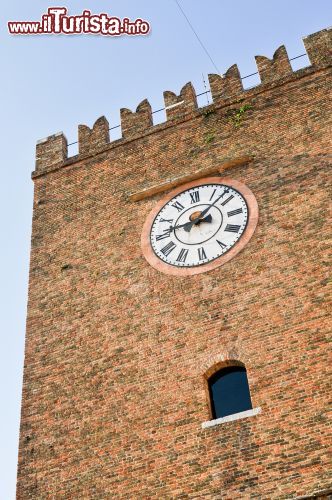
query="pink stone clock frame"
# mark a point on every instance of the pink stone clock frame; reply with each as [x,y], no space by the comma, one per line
[163,267]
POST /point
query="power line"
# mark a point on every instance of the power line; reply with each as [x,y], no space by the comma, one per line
[196,35]
[197,95]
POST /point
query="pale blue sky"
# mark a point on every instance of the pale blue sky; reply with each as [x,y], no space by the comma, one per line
[53,83]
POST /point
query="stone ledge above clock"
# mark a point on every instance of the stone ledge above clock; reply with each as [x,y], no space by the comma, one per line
[199,174]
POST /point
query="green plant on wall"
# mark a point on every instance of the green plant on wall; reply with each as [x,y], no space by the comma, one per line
[209,137]
[237,115]
[208,112]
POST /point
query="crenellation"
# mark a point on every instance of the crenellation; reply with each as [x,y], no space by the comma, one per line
[135,123]
[178,106]
[319,47]
[272,69]
[227,85]
[119,356]
[92,140]
[225,90]
[51,152]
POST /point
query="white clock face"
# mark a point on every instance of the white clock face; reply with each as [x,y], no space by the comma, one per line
[199,225]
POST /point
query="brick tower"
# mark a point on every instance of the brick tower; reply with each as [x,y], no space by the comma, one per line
[117,399]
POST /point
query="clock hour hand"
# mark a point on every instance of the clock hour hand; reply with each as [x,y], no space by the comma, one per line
[198,219]
[172,228]
[188,225]
[208,218]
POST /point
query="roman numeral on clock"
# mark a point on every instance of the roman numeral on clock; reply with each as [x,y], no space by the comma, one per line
[222,245]
[165,234]
[234,212]
[232,228]
[212,195]
[194,197]
[201,253]
[166,220]
[178,206]
[182,255]
[227,200]
[168,248]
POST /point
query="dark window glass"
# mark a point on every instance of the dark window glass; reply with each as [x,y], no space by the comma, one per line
[229,391]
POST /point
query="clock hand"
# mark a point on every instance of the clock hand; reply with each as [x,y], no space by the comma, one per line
[208,218]
[172,228]
[184,226]
[208,208]
[205,211]
[188,225]
[197,221]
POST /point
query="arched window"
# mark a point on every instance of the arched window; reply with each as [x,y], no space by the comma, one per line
[229,391]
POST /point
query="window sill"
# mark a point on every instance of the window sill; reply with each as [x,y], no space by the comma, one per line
[231,418]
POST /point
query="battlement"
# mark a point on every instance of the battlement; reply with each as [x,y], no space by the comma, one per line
[52,152]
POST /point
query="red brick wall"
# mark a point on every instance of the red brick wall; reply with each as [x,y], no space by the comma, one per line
[114,391]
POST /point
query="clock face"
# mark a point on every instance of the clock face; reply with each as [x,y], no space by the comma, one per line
[198,226]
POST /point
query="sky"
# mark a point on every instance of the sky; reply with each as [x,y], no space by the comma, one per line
[53,83]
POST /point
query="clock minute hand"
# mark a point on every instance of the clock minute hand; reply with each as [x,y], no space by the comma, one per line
[208,208]
[189,225]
